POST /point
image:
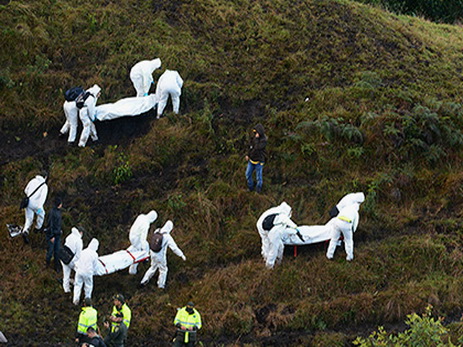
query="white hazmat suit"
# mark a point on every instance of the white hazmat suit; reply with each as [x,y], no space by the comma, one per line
[71,112]
[36,202]
[159,259]
[87,115]
[272,240]
[141,75]
[85,268]
[349,199]
[345,223]
[138,234]
[74,243]
[170,83]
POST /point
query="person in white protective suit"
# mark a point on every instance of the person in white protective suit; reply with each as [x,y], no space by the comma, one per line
[85,268]
[141,75]
[37,191]
[139,233]
[349,199]
[345,223]
[71,112]
[74,243]
[274,225]
[87,116]
[170,83]
[159,259]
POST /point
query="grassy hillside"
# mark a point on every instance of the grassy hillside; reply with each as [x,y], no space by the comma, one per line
[353,99]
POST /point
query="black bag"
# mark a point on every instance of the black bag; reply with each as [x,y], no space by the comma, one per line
[268,222]
[156,242]
[65,255]
[73,93]
[24,203]
[80,101]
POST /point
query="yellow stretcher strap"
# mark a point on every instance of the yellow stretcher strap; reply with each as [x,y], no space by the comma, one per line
[345,219]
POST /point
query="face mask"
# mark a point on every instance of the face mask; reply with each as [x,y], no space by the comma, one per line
[189,310]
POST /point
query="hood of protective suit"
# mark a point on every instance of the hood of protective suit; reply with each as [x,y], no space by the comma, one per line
[167,228]
[93,245]
[285,209]
[75,232]
[155,64]
[260,130]
[152,216]
[94,90]
[40,178]
[359,197]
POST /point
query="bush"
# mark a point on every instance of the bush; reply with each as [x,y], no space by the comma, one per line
[423,331]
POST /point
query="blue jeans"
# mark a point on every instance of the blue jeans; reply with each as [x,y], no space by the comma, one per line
[259,167]
[53,250]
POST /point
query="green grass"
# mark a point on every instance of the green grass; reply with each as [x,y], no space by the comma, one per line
[383,116]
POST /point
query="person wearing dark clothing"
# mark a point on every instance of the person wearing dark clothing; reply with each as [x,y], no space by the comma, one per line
[53,234]
[116,335]
[256,158]
[94,340]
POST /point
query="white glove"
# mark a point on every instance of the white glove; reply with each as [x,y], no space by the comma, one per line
[184,258]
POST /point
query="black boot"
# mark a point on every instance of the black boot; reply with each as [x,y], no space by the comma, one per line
[25,238]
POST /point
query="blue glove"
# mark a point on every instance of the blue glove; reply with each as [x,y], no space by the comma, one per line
[39,211]
[146,94]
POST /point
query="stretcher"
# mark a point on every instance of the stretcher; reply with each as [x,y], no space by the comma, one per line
[120,260]
[127,107]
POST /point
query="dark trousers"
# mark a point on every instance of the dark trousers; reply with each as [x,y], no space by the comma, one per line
[53,250]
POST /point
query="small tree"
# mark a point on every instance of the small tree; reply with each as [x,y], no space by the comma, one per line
[423,331]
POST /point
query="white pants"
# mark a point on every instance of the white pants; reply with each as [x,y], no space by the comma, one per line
[82,280]
[71,112]
[156,265]
[89,128]
[137,245]
[140,86]
[67,275]
[29,212]
[276,248]
[345,228]
[265,243]
[175,96]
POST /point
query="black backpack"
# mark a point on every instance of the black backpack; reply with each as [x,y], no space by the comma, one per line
[268,222]
[156,242]
[80,101]
[73,93]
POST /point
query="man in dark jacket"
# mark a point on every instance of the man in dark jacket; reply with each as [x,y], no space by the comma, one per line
[116,335]
[94,340]
[256,157]
[53,234]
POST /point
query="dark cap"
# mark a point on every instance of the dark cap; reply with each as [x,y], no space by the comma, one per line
[88,302]
[191,304]
[119,297]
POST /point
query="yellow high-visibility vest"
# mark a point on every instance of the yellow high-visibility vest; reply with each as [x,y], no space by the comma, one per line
[127,316]
[188,321]
[87,318]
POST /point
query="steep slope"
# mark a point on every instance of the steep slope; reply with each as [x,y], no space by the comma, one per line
[383,115]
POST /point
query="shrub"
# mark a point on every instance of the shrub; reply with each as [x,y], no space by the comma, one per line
[423,331]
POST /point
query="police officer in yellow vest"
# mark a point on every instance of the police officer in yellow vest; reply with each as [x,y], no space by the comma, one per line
[121,312]
[87,318]
[188,322]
